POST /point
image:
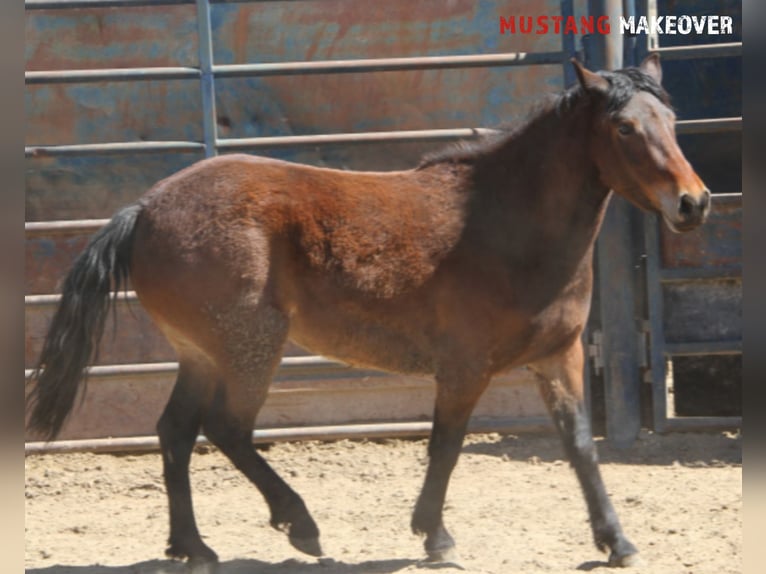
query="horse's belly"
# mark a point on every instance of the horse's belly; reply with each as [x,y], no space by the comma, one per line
[361,342]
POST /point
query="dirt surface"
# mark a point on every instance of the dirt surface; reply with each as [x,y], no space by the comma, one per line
[514,507]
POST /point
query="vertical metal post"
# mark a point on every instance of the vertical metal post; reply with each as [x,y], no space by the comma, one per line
[207,80]
[568,44]
[615,253]
[651,223]
[629,49]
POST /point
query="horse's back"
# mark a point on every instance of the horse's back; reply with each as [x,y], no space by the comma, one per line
[238,227]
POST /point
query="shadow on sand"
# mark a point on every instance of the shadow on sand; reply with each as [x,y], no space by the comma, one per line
[688,449]
[323,566]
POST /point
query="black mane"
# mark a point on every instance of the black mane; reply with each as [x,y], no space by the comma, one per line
[623,85]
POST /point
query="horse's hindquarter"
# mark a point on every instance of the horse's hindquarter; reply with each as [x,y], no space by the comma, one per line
[339,253]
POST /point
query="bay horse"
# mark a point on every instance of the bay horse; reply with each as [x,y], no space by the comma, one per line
[474,262]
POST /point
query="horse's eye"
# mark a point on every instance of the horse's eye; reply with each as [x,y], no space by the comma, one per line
[625,128]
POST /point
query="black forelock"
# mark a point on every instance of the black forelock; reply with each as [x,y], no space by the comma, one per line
[623,85]
[626,83]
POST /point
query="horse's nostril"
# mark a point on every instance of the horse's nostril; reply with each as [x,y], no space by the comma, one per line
[705,201]
[686,208]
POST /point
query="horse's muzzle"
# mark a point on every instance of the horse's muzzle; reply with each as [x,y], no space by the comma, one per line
[692,211]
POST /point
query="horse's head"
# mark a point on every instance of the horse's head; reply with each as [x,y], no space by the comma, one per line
[634,144]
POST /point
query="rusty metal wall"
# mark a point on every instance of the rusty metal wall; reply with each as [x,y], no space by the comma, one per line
[86,187]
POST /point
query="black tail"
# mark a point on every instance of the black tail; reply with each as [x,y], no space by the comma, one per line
[75,332]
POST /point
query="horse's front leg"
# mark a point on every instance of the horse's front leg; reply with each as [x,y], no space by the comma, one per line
[561,385]
[456,397]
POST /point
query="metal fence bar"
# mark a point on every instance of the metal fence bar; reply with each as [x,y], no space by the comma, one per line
[207,80]
[50,299]
[715,125]
[294,68]
[655,310]
[260,142]
[721,50]
[704,348]
[67,4]
[709,125]
[568,44]
[389,64]
[354,137]
[113,148]
[700,423]
[111,75]
[288,365]
[73,226]
[325,432]
[686,274]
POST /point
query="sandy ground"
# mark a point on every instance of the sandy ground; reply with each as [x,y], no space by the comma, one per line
[513,506]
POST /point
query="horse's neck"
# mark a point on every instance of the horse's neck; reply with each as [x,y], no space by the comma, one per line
[539,192]
[542,181]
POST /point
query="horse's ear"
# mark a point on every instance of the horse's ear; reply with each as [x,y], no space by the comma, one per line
[651,67]
[590,81]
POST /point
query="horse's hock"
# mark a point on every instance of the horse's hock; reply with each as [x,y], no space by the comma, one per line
[692,283]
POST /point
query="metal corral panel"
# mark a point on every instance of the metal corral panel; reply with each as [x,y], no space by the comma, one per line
[262,32]
[715,245]
[130,405]
[701,276]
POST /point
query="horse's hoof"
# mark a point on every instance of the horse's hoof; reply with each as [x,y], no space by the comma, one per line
[444,556]
[624,560]
[197,554]
[308,546]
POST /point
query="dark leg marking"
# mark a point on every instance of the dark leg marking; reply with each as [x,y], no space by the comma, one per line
[177,429]
[573,426]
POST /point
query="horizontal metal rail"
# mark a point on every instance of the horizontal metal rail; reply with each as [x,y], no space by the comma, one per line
[111,75]
[74,4]
[298,68]
[50,299]
[355,138]
[288,366]
[704,348]
[390,64]
[721,50]
[709,126]
[324,433]
[684,274]
[715,125]
[260,142]
[71,226]
[113,148]
[699,423]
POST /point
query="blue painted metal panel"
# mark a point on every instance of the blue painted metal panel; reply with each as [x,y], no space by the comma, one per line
[694,288]
[268,106]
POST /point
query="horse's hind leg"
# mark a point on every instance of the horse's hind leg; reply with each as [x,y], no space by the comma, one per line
[254,341]
[177,430]
[456,397]
[561,385]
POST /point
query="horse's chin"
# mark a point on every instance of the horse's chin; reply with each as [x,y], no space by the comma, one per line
[681,227]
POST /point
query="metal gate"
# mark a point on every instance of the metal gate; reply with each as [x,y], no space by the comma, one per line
[665,297]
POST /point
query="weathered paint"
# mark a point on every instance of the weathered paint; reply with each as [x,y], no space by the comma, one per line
[132,405]
[264,32]
[718,243]
[703,311]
